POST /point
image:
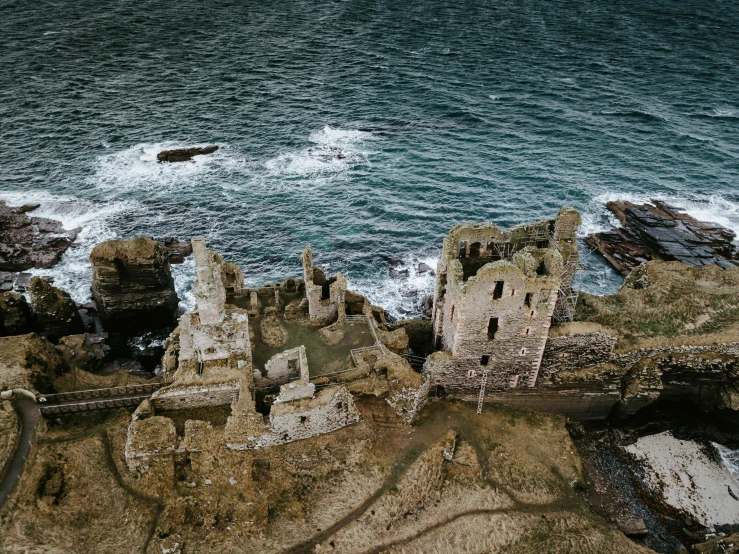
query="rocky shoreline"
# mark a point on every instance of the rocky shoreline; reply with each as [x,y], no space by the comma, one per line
[658,231]
[654,377]
[619,487]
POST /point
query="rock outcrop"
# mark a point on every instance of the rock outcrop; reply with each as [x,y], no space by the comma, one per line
[178,249]
[15,315]
[56,312]
[27,242]
[133,286]
[86,351]
[29,362]
[659,231]
[184,154]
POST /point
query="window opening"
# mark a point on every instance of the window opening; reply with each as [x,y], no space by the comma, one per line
[498,290]
[492,327]
[485,359]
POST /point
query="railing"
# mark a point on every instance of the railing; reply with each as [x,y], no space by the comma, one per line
[107,392]
[91,405]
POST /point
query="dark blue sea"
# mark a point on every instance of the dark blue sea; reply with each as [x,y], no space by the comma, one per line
[365,129]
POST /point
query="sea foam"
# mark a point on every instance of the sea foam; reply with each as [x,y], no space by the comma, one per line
[332,151]
[73,272]
[137,168]
[400,295]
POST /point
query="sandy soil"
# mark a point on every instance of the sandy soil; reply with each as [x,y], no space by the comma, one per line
[688,478]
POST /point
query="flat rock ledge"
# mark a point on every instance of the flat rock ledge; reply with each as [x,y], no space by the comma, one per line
[185,154]
[27,242]
[658,231]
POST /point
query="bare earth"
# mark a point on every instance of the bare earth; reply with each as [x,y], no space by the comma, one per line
[454,482]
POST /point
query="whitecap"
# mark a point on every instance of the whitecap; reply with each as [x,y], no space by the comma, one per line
[723,112]
[137,168]
[333,150]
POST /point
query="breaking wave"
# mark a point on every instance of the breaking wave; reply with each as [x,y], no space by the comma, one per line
[184,277]
[137,168]
[401,290]
[332,151]
[73,273]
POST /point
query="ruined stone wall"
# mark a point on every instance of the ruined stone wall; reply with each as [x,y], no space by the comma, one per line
[209,291]
[279,368]
[150,441]
[176,397]
[574,352]
[330,410]
[409,401]
[497,320]
[590,381]
[319,309]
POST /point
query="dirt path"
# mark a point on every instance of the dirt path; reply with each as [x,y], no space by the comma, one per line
[406,459]
[29,416]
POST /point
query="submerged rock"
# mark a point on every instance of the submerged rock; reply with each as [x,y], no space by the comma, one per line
[27,242]
[55,310]
[185,154]
[133,286]
[659,231]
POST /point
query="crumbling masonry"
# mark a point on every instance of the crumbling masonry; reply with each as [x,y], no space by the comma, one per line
[496,295]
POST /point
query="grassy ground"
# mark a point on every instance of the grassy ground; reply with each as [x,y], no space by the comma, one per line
[378,486]
[682,304]
[322,358]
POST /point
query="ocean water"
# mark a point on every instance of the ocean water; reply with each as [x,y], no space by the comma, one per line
[365,129]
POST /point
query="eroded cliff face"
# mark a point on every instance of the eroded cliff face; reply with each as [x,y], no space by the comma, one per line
[15,315]
[133,286]
[670,333]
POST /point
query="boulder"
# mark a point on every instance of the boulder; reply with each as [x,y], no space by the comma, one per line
[133,286]
[85,351]
[56,312]
[27,242]
[634,527]
[425,268]
[15,315]
[184,154]
[658,231]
